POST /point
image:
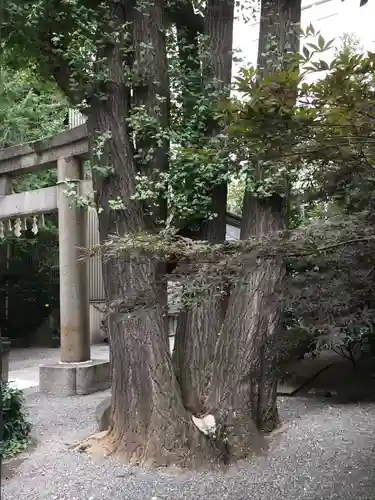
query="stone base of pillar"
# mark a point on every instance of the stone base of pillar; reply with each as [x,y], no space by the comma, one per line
[74,379]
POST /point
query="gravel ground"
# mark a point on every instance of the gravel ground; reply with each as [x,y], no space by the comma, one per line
[326,452]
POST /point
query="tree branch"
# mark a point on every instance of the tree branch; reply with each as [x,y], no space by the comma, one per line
[60,69]
[333,246]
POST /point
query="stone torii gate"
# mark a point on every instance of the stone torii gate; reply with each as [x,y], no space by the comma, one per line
[76,373]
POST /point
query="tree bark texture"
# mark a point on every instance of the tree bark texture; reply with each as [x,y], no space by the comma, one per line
[198,326]
[236,393]
[254,314]
[149,423]
[151,91]
[279,25]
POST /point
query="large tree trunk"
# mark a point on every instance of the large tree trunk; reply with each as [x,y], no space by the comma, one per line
[243,388]
[259,219]
[199,325]
[149,423]
[280,23]
[242,393]
[151,92]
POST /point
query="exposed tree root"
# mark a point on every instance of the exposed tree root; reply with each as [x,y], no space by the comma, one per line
[200,455]
[206,452]
[276,436]
[99,444]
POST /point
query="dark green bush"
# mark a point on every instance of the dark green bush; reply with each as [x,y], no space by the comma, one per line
[15,429]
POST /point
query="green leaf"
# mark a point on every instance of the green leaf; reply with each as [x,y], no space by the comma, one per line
[313,46]
[328,45]
[16,429]
[321,42]
[306,52]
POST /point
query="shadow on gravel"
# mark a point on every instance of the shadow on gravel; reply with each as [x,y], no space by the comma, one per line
[10,466]
[342,384]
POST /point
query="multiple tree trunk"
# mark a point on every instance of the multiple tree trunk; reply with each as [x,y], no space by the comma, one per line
[225,350]
[230,356]
[149,422]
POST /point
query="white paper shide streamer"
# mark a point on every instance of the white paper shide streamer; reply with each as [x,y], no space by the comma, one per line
[19,225]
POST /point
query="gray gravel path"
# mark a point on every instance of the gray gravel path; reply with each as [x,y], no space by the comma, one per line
[326,452]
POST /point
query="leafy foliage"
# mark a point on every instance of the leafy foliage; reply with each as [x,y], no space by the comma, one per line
[29,109]
[68,41]
[330,294]
[324,146]
[15,427]
[198,160]
[236,191]
[351,343]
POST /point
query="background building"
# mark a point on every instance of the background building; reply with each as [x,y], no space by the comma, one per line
[332,18]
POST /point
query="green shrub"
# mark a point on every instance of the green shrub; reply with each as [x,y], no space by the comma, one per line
[350,343]
[15,427]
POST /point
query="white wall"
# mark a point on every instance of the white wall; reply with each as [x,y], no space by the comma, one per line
[332,18]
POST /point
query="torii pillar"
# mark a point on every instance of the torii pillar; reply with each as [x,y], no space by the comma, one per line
[76,373]
[74,303]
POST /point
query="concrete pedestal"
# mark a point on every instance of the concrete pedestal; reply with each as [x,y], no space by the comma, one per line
[74,379]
